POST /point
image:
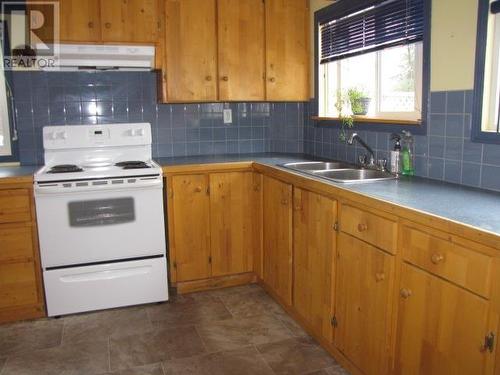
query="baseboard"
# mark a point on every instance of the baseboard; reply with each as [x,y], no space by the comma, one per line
[215,283]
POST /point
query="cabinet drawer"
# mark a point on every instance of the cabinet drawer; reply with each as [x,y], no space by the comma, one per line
[18,284]
[16,242]
[464,267]
[14,205]
[374,229]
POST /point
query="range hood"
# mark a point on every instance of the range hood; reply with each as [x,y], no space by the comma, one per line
[103,57]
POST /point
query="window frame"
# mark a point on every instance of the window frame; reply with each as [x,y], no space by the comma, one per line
[477,133]
[344,7]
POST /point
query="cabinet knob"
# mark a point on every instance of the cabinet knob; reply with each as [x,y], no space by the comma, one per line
[362,227]
[107,25]
[297,207]
[437,258]
[272,79]
[90,25]
[405,293]
[198,189]
[379,276]
[225,78]
[208,78]
[284,202]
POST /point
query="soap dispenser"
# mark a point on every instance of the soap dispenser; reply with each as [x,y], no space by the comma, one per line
[396,154]
[407,155]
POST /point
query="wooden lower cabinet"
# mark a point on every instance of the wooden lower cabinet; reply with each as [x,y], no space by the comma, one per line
[441,328]
[231,222]
[21,289]
[189,227]
[211,225]
[363,304]
[277,227]
[314,244]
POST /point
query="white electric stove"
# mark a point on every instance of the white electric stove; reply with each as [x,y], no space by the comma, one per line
[99,202]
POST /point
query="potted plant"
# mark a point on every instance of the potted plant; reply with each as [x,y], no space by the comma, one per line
[346,119]
[360,101]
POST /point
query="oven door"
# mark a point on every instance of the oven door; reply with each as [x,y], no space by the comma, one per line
[81,226]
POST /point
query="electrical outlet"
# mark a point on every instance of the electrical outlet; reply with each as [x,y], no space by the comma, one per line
[228,116]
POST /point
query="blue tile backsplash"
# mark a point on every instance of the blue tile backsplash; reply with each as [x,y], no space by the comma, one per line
[58,98]
[71,98]
[445,153]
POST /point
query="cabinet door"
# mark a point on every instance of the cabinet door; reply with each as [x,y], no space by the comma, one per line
[278,238]
[129,20]
[241,49]
[314,238]
[441,328]
[191,50]
[190,239]
[287,50]
[363,304]
[231,222]
[80,21]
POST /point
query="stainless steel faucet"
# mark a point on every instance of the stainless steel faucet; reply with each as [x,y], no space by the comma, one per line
[355,136]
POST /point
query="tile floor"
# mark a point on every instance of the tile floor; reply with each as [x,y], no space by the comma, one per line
[238,330]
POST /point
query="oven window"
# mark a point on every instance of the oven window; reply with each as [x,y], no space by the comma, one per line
[101,212]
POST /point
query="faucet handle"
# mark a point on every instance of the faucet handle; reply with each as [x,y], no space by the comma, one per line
[382,164]
[363,160]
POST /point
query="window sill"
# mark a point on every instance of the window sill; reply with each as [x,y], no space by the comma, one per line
[372,120]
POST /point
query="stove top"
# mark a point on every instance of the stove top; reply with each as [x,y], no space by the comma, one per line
[65,168]
[133,164]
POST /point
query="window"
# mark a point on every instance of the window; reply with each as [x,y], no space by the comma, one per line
[5,141]
[487,78]
[373,50]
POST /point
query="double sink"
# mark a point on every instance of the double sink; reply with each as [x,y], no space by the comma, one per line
[337,171]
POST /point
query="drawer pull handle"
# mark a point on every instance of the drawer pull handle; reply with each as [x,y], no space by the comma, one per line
[272,79]
[225,78]
[298,208]
[91,25]
[362,227]
[379,276]
[197,189]
[107,25]
[437,258]
[284,202]
[208,78]
[405,293]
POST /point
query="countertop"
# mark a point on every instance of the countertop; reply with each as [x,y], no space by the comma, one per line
[14,173]
[474,207]
[470,206]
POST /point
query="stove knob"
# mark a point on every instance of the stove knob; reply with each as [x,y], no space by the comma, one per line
[63,135]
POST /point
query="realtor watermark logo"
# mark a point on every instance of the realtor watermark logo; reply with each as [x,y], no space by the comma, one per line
[30,29]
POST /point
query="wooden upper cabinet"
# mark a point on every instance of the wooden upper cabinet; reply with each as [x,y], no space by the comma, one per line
[231,222]
[277,226]
[364,286]
[441,328]
[287,51]
[314,243]
[191,50]
[80,20]
[129,20]
[241,49]
[189,227]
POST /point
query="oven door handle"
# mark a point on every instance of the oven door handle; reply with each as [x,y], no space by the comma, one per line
[106,274]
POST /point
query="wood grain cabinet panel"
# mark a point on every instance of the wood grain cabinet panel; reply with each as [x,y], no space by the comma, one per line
[80,20]
[191,50]
[376,230]
[363,304]
[15,205]
[277,227]
[18,285]
[129,20]
[231,223]
[190,240]
[441,328]
[16,243]
[287,51]
[314,244]
[241,50]
[466,268]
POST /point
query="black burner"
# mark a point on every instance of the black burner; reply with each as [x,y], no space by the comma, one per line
[133,164]
[65,168]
